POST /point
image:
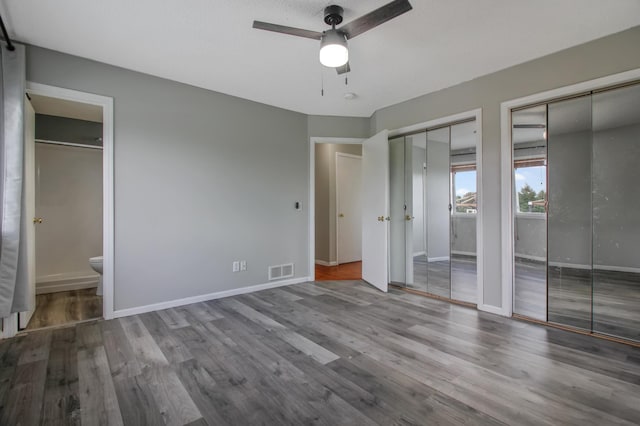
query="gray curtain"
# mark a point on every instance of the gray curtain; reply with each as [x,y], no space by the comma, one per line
[13,286]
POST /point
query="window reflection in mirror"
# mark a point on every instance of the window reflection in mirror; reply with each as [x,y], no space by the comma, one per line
[529,178]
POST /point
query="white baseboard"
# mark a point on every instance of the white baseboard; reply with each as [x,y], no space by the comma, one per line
[324,263]
[581,266]
[419,253]
[9,326]
[204,297]
[617,268]
[569,265]
[530,257]
[438,259]
[463,253]
[65,282]
[493,310]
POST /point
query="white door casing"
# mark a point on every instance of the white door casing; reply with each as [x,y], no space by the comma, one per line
[348,207]
[375,210]
[107,179]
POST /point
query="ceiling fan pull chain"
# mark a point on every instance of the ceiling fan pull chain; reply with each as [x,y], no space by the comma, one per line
[321,81]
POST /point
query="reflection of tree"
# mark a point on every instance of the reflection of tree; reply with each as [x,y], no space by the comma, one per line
[530,201]
[466,203]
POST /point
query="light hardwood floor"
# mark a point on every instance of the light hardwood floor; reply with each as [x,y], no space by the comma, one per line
[344,271]
[329,353]
[64,307]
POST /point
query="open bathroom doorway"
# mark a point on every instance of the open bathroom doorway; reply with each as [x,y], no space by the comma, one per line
[71,187]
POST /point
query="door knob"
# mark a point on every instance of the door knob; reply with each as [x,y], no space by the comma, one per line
[380,218]
[341,215]
[407,217]
[37,220]
[387,218]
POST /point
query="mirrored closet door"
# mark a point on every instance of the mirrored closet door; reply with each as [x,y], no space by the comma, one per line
[616,212]
[576,220]
[464,199]
[433,211]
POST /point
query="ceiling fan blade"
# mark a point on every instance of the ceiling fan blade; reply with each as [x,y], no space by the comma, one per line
[343,69]
[375,18]
[287,30]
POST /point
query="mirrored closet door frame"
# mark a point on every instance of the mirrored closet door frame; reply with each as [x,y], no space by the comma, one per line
[557,97]
[469,116]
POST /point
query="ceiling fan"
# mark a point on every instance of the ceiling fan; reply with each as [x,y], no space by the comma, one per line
[333,42]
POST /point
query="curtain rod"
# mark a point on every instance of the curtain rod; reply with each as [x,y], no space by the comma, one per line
[10,45]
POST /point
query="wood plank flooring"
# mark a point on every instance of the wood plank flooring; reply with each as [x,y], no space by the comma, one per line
[64,307]
[456,279]
[345,271]
[605,301]
[332,353]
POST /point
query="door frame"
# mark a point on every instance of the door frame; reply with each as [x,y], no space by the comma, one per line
[506,167]
[450,119]
[313,140]
[340,154]
[107,179]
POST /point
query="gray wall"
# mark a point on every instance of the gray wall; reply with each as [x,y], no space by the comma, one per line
[585,166]
[325,196]
[569,214]
[201,179]
[418,158]
[530,239]
[397,198]
[337,127]
[609,55]
[61,129]
[616,204]
[463,234]
[437,189]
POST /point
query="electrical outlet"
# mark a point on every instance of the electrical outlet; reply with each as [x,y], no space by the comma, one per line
[243,265]
[236,266]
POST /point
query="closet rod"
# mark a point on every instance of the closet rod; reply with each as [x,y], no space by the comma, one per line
[78,145]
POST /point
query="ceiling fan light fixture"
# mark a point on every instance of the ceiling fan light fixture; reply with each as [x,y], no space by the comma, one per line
[333,49]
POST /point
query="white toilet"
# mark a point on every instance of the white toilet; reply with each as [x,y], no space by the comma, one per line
[96,265]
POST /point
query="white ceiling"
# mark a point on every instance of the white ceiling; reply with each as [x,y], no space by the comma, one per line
[68,109]
[211,44]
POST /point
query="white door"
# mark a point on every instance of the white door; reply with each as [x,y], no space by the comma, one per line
[375,210]
[349,207]
[29,195]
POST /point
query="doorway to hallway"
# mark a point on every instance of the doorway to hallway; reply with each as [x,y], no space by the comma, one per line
[338,211]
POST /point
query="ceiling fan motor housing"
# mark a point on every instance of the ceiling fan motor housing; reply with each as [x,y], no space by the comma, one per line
[333,15]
